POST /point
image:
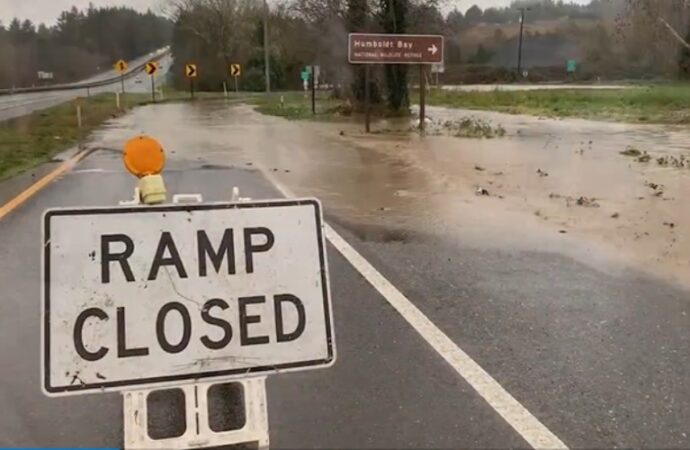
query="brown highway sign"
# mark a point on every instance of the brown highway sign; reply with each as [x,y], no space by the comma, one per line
[367,48]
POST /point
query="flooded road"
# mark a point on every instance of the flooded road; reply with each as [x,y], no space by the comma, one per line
[487,293]
[558,186]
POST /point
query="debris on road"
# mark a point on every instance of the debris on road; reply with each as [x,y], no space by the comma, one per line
[679,162]
[670,224]
[658,188]
[481,191]
[541,173]
[587,202]
[479,168]
[631,151]
[470,127]
[646,157]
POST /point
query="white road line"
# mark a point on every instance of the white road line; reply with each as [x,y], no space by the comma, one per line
[517,416]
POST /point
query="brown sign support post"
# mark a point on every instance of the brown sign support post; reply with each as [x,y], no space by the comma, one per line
[372,48]
[367,100]
[422,97]
[151,68]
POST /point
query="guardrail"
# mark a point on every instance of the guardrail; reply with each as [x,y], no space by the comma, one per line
[131,73]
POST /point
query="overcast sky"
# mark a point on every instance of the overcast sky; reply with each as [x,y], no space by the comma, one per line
[46,11]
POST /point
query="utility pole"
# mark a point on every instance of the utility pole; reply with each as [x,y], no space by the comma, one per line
[267,62]
[522,27]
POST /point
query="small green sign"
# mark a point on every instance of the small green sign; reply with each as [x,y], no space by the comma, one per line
[305,75]
[571,66]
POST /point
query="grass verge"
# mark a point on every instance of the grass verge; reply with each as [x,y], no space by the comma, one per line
[35,138]
[295,106]
[666,104]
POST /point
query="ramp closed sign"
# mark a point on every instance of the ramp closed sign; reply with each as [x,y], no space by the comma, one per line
[159,295]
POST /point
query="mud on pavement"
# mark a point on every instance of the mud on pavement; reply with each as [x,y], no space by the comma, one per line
[547,185]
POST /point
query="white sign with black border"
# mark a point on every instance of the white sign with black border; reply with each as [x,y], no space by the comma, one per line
[137,297]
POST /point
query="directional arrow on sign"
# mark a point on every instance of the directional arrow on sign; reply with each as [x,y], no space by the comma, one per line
[151,68]
[433,49]
[190,70]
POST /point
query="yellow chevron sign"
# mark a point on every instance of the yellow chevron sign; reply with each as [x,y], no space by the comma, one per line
[121,66]
[190,71]
[151,67]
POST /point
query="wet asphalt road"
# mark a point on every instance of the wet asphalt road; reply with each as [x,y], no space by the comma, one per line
[17,105]
[600,359]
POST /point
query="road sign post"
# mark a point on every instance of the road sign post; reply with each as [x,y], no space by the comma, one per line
[313,89]
[191,72]
[422,97]
[151,68]
[372,48]
[235,72]
[78,108]
[570,68]
[367,100]
[121,68]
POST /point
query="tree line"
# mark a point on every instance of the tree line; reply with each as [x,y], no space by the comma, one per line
[216,33]
[80,44]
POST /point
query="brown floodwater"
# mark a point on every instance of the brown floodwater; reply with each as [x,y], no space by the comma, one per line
[399,180]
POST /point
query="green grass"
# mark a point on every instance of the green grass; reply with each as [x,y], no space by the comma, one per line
[669,104]
[35,138]
[296,107]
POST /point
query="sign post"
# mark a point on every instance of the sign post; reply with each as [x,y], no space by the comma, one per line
[313,89]
[151,68]
[367,100]
[422,97]
[571,67]
[121,68]
[235,72]
[371,48]
[305,75]
[191,73]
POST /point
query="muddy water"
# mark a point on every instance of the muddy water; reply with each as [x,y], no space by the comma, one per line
[411,185]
